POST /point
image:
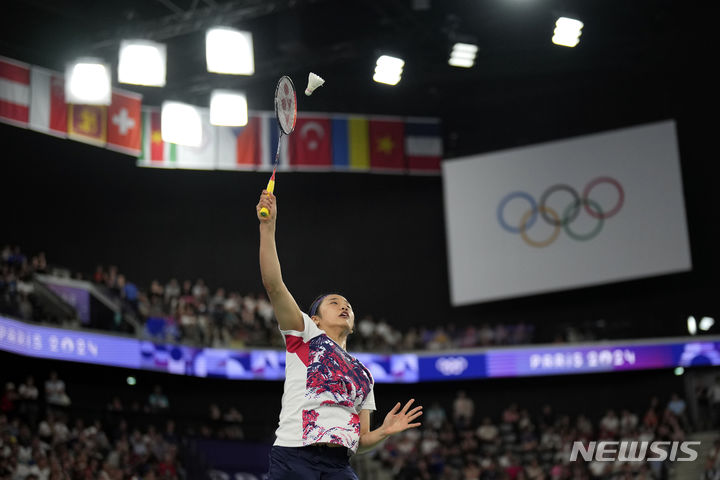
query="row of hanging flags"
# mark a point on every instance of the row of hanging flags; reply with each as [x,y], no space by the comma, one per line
[33,97]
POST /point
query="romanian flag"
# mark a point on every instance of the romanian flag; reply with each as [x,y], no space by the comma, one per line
[350,143]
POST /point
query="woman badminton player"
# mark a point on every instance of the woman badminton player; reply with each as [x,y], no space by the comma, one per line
[328,394]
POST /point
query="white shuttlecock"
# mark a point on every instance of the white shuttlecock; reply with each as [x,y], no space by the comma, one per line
[314,81]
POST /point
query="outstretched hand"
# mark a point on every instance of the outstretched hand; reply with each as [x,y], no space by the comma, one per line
[397,420]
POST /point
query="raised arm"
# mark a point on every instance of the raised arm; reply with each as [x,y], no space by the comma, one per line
[287,312]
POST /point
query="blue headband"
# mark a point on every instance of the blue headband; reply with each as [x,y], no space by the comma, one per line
[315,305]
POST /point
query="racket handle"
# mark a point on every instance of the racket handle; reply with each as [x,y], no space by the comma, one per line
[270,187]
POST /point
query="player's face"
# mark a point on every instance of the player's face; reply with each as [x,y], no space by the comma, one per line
[335,310]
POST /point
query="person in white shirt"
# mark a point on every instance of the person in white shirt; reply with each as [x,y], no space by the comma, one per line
[328,394]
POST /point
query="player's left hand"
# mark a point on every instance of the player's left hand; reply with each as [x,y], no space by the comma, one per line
[397,420]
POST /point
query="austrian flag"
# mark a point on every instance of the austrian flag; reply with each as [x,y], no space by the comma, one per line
[14,92]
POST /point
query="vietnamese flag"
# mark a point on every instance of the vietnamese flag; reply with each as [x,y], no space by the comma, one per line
[310,145]
[387,145]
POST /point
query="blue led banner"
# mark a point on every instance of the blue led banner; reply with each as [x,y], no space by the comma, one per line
[89,347]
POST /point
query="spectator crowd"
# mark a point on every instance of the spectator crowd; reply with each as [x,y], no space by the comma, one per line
[188,312]
[462,443]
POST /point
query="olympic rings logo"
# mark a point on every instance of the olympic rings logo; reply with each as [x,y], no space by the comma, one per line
[570,213]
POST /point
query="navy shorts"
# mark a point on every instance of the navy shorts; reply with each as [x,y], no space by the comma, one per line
[318,462]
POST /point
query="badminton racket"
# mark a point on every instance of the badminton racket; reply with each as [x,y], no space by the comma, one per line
[286,115]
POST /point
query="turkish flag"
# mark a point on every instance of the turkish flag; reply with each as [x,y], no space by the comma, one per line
[310,144]
[387,145]
[123,123]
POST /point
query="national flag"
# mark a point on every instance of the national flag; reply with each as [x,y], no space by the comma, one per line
[14,92]
[203,157]
[48,110]
[423,146]
[350,143]
[387,145]
[157,153]
[269,137]
[124,124]
[88,123]
[239,147]
[310,144]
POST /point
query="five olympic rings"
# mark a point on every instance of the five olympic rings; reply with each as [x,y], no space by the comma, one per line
[570,213]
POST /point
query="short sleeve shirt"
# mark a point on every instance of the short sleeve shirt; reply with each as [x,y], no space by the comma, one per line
[325,390]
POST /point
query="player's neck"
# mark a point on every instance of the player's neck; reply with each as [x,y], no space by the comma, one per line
[338,335]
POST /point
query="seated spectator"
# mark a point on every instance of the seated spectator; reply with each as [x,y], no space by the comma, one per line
[610,424]
[463,409]
[55,391]
[158,401]
[435,416]
[487,432]
[28,399]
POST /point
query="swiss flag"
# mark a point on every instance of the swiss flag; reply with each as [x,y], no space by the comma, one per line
[124,124]
[387,145]
[310,144]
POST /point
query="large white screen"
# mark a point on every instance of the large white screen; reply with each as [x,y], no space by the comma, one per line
[632,224]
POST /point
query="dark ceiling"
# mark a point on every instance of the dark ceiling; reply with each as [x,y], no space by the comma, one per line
[627,69]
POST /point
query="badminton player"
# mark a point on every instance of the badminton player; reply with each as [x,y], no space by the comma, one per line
[328,394]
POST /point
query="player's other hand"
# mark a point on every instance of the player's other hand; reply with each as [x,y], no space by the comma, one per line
[398,420]
[267,202]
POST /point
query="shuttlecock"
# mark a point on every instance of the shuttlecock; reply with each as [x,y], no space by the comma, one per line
[314,81]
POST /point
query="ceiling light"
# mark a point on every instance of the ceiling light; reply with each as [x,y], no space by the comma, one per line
[142,62]
[463,55]
[567,32]
[88,82]
[181,123]
[388,70]
[228,108]
[229,51]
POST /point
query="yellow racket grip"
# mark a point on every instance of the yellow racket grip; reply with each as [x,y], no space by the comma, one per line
[270,187]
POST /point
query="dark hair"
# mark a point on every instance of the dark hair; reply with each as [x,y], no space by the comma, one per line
[315,305]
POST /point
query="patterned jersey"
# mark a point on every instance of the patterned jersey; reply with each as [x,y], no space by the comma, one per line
[325,389]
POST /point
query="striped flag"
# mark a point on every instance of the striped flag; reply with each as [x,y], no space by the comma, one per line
[423,146]
[14,92]
[269,136]
[157,153]
[48,110]
[239,147]
[350,143]
[154,152]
